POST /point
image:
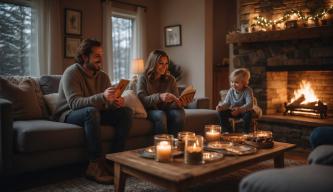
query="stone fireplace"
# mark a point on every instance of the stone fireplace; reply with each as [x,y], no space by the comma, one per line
[279,61]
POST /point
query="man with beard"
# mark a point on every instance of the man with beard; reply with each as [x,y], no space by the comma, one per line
[87,99]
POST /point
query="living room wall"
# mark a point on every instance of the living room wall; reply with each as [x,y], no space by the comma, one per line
[191,55]
[92,20]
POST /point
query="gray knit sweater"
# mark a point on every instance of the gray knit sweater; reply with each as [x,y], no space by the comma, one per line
[77,90]
[149,91]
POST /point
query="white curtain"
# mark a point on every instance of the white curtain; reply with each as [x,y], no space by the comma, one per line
[140,43]
[46,37]
[107,36]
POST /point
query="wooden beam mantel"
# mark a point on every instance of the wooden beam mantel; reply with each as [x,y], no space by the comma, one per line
[288,34]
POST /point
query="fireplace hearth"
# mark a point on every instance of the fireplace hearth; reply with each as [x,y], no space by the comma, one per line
[312,109]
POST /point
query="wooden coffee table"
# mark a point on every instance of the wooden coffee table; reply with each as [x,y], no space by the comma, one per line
[177,176]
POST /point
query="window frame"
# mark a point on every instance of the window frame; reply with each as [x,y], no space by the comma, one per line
[125,14]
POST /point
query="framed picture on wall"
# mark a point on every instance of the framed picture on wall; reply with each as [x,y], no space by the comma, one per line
[71,46]
[173,35]
[73,22]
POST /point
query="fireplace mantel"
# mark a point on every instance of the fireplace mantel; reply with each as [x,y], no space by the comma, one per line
[288,34]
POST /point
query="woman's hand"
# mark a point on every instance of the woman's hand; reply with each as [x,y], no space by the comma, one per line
[168,97]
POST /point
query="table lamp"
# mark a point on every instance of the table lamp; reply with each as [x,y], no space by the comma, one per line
[137,68]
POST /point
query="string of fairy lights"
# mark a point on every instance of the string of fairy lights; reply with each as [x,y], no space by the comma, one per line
[265,23]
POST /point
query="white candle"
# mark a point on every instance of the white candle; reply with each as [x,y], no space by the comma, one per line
[213,135]
[163,151]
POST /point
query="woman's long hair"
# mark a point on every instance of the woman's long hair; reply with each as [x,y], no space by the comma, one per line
[152,62]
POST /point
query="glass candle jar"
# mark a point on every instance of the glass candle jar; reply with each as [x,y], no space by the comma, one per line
[181,139]
[263,134]
[163,147]
[193,150]
[212,133]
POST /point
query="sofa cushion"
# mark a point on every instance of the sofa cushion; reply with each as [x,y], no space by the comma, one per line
[196,119]
[24,100]
[322,154]
[49,83]
[51,102]
[300,178]
[16,80]
[43,135]
[132,101]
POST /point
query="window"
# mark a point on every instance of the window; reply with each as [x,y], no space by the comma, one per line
[15,39]
[122,46]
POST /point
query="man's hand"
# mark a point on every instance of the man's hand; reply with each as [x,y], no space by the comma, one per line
[168,97]
[119,102]
[109,94]
[235,111]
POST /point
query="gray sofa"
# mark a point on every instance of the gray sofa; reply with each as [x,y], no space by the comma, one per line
[36,144]
[317,176]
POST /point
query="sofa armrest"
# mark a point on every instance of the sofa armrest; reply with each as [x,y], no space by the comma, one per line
[322,154]
[6,135]
[199,103]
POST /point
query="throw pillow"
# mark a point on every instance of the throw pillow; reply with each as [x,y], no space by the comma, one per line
[51,101]
[25,103]
[133,102]
[322,155]
[16,80]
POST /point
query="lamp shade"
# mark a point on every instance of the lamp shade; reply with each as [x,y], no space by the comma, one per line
[137,66]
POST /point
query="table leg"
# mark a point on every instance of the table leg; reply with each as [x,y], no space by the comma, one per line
[279,161]
[119,178]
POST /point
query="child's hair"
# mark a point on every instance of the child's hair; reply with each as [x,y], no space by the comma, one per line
[242,74]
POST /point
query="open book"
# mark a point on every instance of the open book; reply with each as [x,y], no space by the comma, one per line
[187,95]
[120,88]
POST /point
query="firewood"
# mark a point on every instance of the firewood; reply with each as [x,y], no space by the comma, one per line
[297,102]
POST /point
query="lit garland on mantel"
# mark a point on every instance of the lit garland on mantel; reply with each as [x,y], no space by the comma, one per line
[265,23]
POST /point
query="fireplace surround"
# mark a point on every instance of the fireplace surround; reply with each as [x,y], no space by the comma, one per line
[278,66]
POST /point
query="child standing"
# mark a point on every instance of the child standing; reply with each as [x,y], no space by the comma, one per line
[238,102]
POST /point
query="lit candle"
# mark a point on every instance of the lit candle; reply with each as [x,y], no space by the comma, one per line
[263,134]
[163,151]
[194,150]
[213,135]
[182,136]
[194,155]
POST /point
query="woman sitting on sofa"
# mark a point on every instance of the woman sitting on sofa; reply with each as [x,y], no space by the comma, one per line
[158,92]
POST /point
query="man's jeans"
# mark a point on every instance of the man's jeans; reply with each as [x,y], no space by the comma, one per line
[225,124]
[169,121]
[321,136]
[91,119]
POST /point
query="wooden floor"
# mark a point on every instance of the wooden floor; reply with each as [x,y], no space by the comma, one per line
[298,154]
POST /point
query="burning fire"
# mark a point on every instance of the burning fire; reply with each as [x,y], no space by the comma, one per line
[307,91]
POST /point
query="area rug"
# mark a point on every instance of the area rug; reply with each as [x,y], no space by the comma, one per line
[226,183]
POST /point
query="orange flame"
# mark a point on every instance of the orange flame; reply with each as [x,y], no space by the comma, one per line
[306,90]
